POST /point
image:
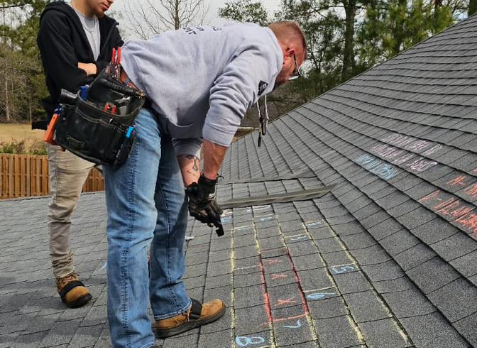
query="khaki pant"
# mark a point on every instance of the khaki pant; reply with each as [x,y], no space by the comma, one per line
[68,173]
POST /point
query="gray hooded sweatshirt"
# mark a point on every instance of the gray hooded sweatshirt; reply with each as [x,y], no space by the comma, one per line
[201,80]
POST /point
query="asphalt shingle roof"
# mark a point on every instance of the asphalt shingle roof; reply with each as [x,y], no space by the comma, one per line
[387,259]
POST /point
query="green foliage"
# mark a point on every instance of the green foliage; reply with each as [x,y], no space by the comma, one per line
[22,81]
[32,147]
[245,11]
[14,147]
[389,27]
[472,7]
[323,28]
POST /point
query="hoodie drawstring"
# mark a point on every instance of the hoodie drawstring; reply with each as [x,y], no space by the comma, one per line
[263,120]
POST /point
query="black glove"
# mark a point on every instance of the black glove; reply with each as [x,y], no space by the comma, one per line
[202,203]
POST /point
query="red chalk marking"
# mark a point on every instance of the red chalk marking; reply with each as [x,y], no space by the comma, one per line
[289,318]
[461,212]
[472,190]
[271,262]
[469,221]
[276,276]
[448,205]
[432,195]
[266,298]
[458,181]
[288,301]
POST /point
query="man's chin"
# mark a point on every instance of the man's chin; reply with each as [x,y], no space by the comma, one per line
[99,13]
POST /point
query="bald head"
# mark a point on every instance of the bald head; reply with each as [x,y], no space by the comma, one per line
[293,44]
[290,35]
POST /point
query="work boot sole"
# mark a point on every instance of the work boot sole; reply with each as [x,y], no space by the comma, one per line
[80,301]
[188,325]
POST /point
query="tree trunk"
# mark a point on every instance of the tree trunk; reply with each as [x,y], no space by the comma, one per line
[399,30]
[177,21]
[7,107]
[348,53]
[472,7]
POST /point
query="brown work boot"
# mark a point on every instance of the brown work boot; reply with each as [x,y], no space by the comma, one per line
[73,293]
[199,314]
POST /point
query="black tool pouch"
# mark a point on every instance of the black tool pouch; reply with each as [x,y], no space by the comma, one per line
[87,130]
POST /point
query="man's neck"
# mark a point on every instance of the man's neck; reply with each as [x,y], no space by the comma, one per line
[82,6]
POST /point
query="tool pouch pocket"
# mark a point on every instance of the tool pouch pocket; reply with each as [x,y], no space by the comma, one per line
[87,130]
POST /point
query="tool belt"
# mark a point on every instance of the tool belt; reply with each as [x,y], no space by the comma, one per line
[97,124]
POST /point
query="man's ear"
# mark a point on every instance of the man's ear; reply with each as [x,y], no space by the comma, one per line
[289,52]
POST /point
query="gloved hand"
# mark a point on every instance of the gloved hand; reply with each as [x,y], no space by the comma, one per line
[202,203]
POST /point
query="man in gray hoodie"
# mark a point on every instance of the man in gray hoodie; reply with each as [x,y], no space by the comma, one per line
[199,82]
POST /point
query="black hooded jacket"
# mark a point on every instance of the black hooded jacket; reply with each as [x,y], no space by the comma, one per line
[63,43]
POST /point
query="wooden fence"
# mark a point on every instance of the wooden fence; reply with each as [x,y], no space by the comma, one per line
[27,175]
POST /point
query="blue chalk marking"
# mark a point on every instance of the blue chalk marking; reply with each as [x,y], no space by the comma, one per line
[267,218]
[105,265]
[312,224]
[298,325]
[378,167]
[343,269]
[244,341]
[297,238]
[320,295]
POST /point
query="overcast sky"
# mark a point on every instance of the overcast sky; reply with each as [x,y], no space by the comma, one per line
[212,15]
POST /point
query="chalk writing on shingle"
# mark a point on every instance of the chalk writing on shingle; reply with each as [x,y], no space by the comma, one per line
[342,269]
[239,228]
[290,300]
[418,146]
[245,341]
[266,218]
[454,210]
[320,295]
[432,150]
[378,167]
[421,165]
[314,223]
[298,325]
[294,298]
[271,261]
[276,276]
[402,156]
[404,159]
[398,139]
[457,181]
[298,237]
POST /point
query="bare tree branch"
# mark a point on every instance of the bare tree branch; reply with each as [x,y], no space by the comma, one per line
[156,16]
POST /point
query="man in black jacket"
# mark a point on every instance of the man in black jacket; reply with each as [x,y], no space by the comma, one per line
[75,41]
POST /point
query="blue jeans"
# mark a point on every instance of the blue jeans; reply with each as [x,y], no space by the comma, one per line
[146,207]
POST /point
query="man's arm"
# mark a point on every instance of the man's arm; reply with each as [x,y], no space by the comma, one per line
[190,168]
[58,54]
[89,68]
[214,155]
[201,189]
